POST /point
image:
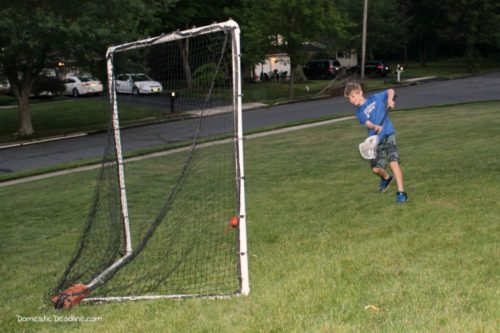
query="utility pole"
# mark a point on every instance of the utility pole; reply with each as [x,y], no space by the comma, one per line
[363,46]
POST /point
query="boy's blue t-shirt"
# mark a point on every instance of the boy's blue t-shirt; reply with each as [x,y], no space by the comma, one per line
[374,110]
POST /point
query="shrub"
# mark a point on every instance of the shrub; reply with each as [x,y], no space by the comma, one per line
[204,75]
[47,85]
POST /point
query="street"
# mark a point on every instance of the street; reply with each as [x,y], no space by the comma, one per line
[432,93]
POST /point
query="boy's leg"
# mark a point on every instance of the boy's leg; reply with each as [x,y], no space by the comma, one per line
[379,164]
[381,172]
[393,157]
[401,195]
[398,175]
[385,178]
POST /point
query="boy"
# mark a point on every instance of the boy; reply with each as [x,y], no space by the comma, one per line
[371,112]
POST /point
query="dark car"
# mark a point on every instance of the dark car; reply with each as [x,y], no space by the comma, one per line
[373,68]
[322,69]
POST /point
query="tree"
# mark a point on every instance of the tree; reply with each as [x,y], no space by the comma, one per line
[188,14]
[36,35]
[286,24]
[405,20]
[384,28]
[469,24]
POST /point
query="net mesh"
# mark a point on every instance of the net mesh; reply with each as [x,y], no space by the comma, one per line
[368,148]
[182,191]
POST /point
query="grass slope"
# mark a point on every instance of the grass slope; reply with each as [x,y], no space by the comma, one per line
[328,253]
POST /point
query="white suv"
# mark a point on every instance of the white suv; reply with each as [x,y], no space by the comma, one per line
[137,84]
[77,85]
[4,87]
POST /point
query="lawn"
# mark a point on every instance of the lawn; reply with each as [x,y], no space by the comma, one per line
[69,115]
[448,68]
[328,253]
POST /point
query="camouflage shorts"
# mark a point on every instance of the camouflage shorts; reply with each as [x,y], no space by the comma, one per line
[386,151]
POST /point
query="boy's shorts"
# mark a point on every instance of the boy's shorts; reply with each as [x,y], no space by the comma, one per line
[386,150]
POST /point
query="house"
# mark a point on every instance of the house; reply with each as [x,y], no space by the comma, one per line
[280,62]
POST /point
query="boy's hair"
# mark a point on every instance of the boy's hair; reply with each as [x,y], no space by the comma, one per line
[352,86]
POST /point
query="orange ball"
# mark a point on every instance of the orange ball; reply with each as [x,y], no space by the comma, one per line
[234,221]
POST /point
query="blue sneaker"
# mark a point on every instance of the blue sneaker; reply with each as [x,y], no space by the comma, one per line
[401,197]
[385,183]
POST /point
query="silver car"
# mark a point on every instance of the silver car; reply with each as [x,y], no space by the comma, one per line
[137,84]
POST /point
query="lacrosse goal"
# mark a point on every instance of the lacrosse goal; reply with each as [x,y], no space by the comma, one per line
[158,223]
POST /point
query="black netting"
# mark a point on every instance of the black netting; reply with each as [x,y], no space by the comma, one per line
[182,191]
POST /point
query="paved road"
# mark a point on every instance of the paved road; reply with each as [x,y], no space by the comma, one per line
[475,88]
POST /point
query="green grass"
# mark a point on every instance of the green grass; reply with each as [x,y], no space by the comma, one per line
[57,117]
[11,100]
[276,92]
[7,100]
[324,244]
[448,68]
[67,116]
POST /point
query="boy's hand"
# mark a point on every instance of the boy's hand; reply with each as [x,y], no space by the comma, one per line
[390,104]
[376,128]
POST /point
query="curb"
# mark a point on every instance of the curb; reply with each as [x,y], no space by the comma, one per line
[35,141]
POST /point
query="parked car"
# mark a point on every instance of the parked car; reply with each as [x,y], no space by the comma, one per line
[4,87]
[322,69]
[373,68]
[137,84]
[78,85]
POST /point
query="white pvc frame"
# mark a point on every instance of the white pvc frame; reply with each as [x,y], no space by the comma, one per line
[237,95]
[237,110]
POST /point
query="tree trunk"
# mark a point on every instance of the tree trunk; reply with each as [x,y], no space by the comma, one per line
[422,49]
[406,54]
[22,91]
[290,82]
[469,53]
[184,48]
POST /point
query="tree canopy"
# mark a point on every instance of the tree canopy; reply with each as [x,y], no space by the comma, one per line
[36,35]
[285,25]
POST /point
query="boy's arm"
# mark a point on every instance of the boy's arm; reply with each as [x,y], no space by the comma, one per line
[372,126]
[390,98]
[390,104]
[367,123]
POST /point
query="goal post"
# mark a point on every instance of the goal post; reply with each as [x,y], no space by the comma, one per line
[237,97]
[171,221]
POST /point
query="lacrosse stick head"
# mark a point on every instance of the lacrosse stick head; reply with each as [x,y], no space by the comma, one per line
[368,148]
[71,296]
